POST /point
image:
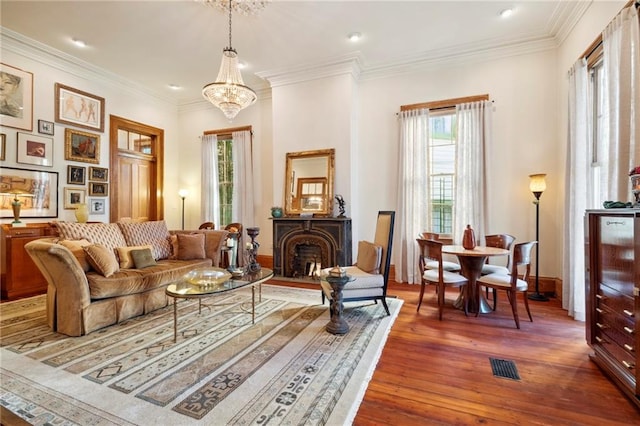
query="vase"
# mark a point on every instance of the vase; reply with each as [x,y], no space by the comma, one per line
[469,238]
[276,212]
[82,213]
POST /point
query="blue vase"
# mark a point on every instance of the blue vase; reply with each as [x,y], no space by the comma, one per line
[276,211]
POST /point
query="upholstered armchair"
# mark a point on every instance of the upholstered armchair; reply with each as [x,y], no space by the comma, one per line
[370,274]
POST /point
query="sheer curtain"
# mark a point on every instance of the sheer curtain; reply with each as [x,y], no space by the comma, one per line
[210,207]
[577,179]
[413,212]
[621,64]
[242,204]
[474,130]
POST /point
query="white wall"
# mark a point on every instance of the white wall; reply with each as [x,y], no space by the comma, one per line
[120,99]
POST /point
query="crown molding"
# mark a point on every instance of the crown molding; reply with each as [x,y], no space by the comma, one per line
[39,52]
[345,64]
[467,54]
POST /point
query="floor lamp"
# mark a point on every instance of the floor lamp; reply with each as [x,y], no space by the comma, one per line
[537,185]
[183,194]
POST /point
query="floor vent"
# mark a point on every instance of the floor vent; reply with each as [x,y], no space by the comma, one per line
[504,368]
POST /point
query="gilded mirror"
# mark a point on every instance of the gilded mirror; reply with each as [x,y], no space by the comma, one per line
[309,182]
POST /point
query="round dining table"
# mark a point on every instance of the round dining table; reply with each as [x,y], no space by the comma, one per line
[471,262]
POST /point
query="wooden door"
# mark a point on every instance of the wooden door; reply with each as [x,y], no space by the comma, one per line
[137,165]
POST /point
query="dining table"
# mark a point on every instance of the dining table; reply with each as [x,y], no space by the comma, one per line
[471,261]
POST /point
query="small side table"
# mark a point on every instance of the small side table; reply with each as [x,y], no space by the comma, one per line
[337,325]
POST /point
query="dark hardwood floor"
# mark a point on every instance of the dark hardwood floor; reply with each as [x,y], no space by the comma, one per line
[438,372]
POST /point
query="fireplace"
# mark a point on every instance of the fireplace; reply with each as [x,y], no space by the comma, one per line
[302,246]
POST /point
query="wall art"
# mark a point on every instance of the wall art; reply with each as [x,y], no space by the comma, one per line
[36,150]
[37,191]
[81,146]
[78,108]
[73,197]
[76,175]
[16,97]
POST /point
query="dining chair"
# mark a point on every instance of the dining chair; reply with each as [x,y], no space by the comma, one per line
[207,225]
[369,284]
[511,283]
[446,264]
[430,252]
[503,241]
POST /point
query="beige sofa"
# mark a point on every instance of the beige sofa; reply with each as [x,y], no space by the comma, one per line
[83,296]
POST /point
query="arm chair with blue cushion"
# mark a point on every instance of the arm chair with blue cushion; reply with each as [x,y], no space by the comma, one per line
[370,274]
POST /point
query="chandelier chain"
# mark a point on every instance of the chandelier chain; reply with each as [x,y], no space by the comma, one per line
[230,47]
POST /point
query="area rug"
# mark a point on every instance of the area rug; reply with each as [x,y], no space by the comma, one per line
[284,369]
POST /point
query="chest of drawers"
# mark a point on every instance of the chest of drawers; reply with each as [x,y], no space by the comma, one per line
[20,276]
[613,294]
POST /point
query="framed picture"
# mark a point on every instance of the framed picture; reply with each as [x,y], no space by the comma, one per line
[98,189]
[73,197]
[16,97]
[96,206]
[45,127]
[37,190]
[3,146]
[81,146]
[76,175]
[35,150]
[99,174]
[78,108]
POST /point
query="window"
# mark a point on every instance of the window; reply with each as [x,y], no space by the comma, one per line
[225,178]
[600,137]
[442,144]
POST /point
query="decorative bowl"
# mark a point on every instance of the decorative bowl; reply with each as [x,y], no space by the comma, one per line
[237,273]
[207,276]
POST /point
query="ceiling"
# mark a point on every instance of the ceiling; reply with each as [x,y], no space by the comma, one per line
[157,43]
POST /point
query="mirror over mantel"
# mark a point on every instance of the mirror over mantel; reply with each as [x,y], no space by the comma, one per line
[309,182]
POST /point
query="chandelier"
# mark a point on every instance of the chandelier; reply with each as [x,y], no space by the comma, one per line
[229,92]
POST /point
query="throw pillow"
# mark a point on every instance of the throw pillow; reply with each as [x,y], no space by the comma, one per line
[190,246]
[154,233]
[102,259]
[124,255]
[106,234]
[76,247]
[369,257]
[143,258]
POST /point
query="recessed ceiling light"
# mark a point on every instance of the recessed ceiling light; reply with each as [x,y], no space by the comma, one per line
[354,36]
[506,13]
[79,43]
[174,87]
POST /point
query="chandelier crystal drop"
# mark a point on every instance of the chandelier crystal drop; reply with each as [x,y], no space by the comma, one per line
[229,92]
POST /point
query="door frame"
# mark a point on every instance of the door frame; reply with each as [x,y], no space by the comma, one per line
[118,123]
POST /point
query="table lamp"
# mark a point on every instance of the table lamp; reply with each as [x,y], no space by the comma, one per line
[16,204]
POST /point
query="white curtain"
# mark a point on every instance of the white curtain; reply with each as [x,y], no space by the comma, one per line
[242,204]
[474,131]
[413,212]
[577,182]
[621,64]
[210,196]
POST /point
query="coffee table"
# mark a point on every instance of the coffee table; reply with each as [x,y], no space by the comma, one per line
[189,288]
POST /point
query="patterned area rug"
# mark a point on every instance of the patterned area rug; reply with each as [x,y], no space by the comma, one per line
[284,369]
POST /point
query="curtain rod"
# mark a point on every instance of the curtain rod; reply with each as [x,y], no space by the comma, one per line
[229,130]
[445,104]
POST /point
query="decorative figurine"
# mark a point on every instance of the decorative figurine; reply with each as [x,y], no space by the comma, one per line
[252,249]
[341,204]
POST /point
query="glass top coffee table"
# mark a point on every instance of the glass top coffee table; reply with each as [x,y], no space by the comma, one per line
[207,282]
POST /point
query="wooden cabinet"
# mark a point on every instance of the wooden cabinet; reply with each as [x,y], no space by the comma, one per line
[612,249]
[20,276]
